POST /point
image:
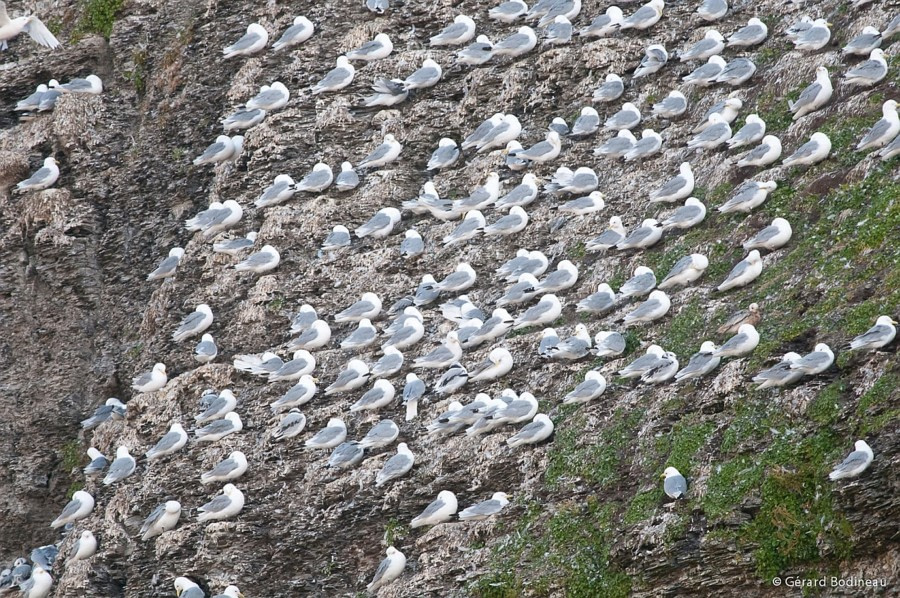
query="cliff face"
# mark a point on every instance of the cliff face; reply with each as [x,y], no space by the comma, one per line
[588,517]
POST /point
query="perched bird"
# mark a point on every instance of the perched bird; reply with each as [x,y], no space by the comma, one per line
[40,583]
[855,463]
[112,408]
[337,78]
[717,133]
[750,194]
[224,506]
[740,344]
[233,467]
[91,85]
[676,188]
[217,218]
[347,179]
[346,455]
[753,130]
[300,31]
[647,234]
[608,238]
[290,425]
[559,31]
[701,363]
[390,569]
[743,273]
[476,53]
[605,24]
[574,347]
[299,394]
[655,57]
[236,246]
[36,30]
[379,7]
[816,362]
[386,152]
[564,277]
[229,592]
[428,75]
[707,73]
[672,106]
[413,392]
[243,119]
[317,180]
[185,588]
[446,155]
[754,32]
[216,408]
[193,324]
[512,223]
[121,467]
[397,466]
[751,315]
[608,343]
[441,509]
[444,355]
[362,337]
[649,144]
[876,337]
[712,44]
[612,89]
[521,195]
[712,10]
[471,226]
[815,150]
[644,17]
[264,260]
[692,213]
[224,149]
[516,44]
[78,508]
[508,12]
[763,154]
[368,306]
[540,428]
[641,283]
[162,519]
[378,48]
[864,43]
[663,371]
[737,71]
[685,271]
[593,386]
[301,363]
[498,363]
[42,178]
[380,395]
[813,96]
[674,484]
[98,463]
[653,308]
[461,31]
[582,180]
[543,151]
[486,508]
[883,131]
[151,381]
[627,117]
[220,428]
[251,42]
[780,374]
[814,38]
[338,237]
[380,435]
[868,72]
[167,267]
[772,237]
